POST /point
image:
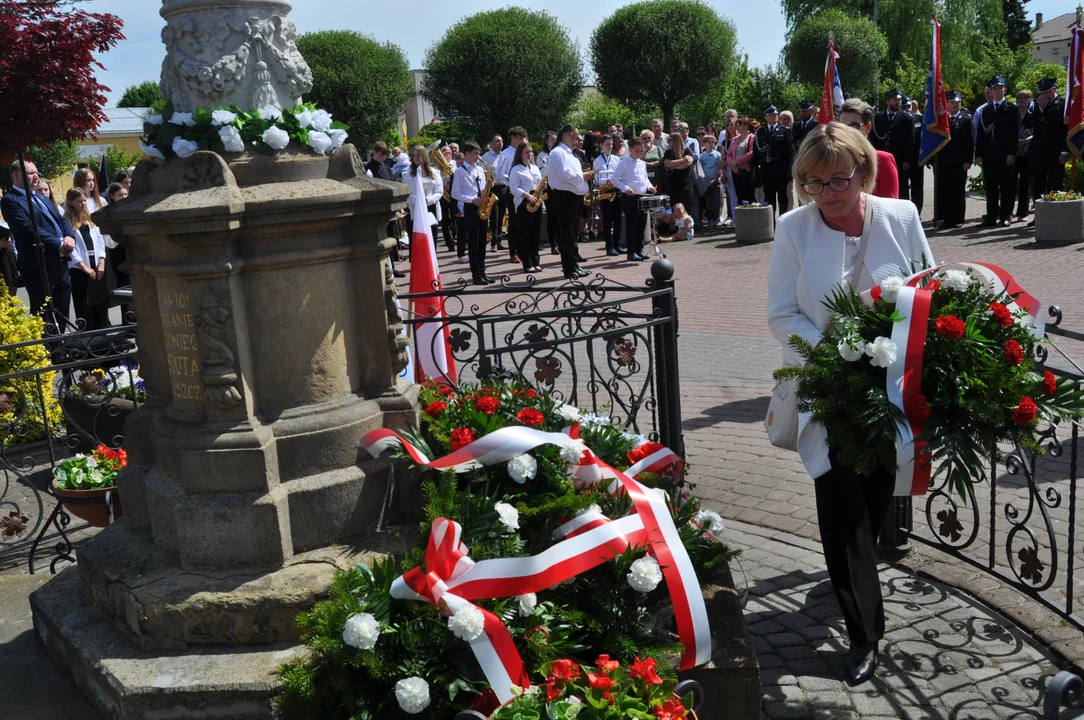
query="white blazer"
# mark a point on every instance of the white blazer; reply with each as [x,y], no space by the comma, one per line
[80,255]
[807,265]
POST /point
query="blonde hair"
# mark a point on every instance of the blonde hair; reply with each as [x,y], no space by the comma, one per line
[677,145]
[77,219]
[1025,94]
[787,114]
[80,181]
[649,135]
[834,148]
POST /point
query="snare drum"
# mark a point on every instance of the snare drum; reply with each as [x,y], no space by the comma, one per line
[653,203]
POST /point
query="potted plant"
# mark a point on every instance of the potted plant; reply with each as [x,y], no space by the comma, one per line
[754,223]
[1059,218]
[98,402]
[87,485]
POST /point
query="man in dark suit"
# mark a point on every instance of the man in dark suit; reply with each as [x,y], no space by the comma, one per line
[57,238]
[893,132]
[916,177]
[952,163]
[1047,150]
[805,123]
[995,151]
[773,154]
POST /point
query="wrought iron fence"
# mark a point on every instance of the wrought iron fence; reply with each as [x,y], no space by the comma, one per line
[59,395]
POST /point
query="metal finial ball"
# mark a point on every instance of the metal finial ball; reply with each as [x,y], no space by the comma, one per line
[662,270]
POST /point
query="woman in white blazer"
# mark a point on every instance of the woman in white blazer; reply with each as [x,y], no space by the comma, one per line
[92,277]
[817,249]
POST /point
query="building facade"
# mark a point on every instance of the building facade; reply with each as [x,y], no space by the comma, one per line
[1050,38]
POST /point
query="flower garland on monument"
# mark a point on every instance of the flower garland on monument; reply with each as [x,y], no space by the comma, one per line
[549,536]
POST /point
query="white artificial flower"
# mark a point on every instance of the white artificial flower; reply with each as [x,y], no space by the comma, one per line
[645,574]
[956,280]
[710,521]
[890,288]
[592,508]
[572,710]
[304,118]
[522,468]
[527,604]
[276,138]
[468,623]
[222,117]
[94,476]
[151,150]
[321,121]
[154,119]
[60,474]
[849,352]
[361,631]
[270,112]
[569,413]
[573,452]
[320,142]
[231,139]
[882,352]
[662,494]
[180,118]
[184,148]
[412,694]
[509,516]
[338,137]
[92,461]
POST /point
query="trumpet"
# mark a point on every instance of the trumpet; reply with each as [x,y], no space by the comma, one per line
[489,199]
[439,161]
[607,192]
[541,194]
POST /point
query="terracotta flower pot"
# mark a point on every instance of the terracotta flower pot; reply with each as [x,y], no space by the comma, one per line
[91,505]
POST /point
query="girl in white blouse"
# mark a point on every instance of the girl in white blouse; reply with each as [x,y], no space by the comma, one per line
[522,181]
[432,184]
[92,277]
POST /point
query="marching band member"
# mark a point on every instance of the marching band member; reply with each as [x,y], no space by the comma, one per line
[503,166]
[568,184]
[432,184]
[467,185]
[604,167]
[630,178]
[522,181]
[447,226]
[496,218]
[551,215]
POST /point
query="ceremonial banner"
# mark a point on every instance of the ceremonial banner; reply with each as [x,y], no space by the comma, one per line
[832,94]
[1074,105]
[935,121]
[431,339]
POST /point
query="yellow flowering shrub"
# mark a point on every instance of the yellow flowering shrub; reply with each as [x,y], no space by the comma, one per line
[22,419]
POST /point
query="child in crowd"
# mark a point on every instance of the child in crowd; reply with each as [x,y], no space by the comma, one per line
[683,226]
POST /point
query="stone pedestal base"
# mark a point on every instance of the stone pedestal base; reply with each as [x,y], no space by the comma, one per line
[754,224]
[1059,222]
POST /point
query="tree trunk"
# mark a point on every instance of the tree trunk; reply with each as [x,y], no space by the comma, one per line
[667,116]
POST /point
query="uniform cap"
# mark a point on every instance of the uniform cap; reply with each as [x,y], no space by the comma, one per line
[806,105]
[1047,84]
[771,110]
[996,81]
[905,101]
[953,95]
[894,93]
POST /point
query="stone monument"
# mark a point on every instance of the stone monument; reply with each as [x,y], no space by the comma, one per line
[270,341]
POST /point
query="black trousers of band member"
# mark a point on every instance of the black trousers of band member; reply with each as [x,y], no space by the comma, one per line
[475,229]
[610,211]
[999,188]
[551,223]
[460,236]
[529,230]
[635,224]
[775,190]
[917,177]
[1022,181]
[447,223]
[569,208]
[496,216]
[904,178]
[1048,174]
[850,512]
[508,202]
[951,192]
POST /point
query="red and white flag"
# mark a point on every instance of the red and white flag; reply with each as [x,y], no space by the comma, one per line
[832,96]
[431,341]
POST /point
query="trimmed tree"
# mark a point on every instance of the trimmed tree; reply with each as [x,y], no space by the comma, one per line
[860,45]
[361,82]
[144,95]
[507,67]
[662,52]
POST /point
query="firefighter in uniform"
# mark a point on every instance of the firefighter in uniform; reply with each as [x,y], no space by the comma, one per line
[805,123]
[1048,152]
[773,154]
[894,132]
[952,163]
[995,151]
[917,173]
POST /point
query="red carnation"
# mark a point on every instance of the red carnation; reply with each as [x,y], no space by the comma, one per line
[917,408]
[436,408]
[486,703]
[933,285]
[951,327]
[1002,316]
[646,450]
[602,682]
[530,417]
[1050,383]
[1013,352]
[565,670]
[487,405]
[1025,412]
[605,664]
[645,669]
[461,437]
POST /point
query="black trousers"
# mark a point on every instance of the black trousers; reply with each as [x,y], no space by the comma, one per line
[999,188]
[743,187]
[1022,180]
[475,229]
[904,177]
[1048,174]
[96,315]
[569,208]
[551,222]
[460,236]
[611,223]
[59,289]
[951,192]
[509,205]
[917,175]
[496,216]
[775,191]
[850,512]
[447,223]
[635,224]
[529,228]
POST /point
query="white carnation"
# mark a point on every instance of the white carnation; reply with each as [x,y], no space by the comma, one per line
[527,604]
[270,112]
[849,352]
[645,574]
[338,137]
[890,288]
[412,694]
[569,413]
[231,139]
[183,148]
[321,121]
[662,494]
[956,280]
[882,352]
[92,461]
[304,118]
[592,508]
[468,623]
[509,516]
[222,117]
[573,452]
[180,118]
[276,138]
[522,468]
[151,150]
[710,521]
[319,142]
[154,119]
[361,631]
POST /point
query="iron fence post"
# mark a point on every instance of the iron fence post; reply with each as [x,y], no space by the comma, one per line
[666,357]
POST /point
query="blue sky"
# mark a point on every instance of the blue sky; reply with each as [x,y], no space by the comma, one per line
[414,25]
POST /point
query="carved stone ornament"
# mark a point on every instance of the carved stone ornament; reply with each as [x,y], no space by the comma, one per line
[218,375]
[240,52]
[204,170]
[398,343]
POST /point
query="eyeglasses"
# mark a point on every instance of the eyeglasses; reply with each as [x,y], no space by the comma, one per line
[837,184]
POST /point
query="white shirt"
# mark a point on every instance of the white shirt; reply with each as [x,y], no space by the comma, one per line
[467,184]
[631,174]
[490,159]
[523,179]
[433,187]
[604,168]
[565,172]
[663,141]
[504,166]
[542,158]
[80,255]
[694,144]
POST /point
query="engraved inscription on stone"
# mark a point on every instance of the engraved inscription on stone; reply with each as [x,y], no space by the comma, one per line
[182,348]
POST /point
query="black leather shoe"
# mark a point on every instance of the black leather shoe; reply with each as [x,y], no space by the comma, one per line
[581,272]
[488,279]
[553,250]
[622,251]
[399,274]
[1005,223]
[860,671]
[479,281]
[580,258]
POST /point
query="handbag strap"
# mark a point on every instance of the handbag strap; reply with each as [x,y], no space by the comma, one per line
[860,261]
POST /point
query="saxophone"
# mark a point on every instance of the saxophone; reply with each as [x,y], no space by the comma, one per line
[540,193]
[488,198]
[607,192]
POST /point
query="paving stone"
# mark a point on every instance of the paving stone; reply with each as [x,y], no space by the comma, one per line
[817,632]
[786,711]
[870,704]
[766,627]
[783,693]
[797,621]
[787,639]
[781,676]
[829,699]
[810,666]
[812,682]
[835,714]
[798,652]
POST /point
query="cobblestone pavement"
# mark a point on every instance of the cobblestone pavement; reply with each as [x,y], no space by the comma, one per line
[943,655]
